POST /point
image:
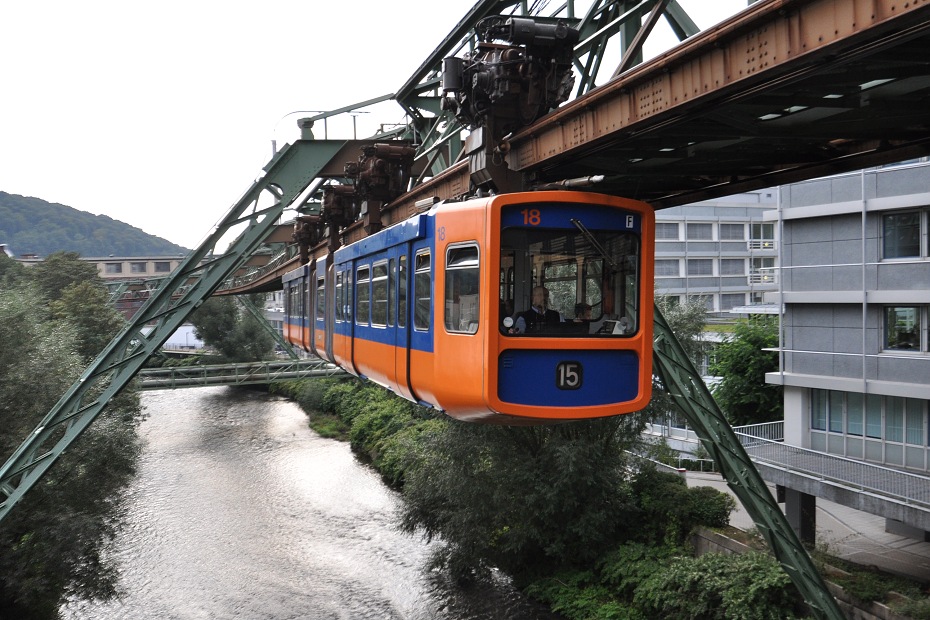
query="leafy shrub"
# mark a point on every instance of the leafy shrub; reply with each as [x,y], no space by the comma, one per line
[752,586]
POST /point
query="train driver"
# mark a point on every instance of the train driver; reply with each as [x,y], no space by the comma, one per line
[539,317]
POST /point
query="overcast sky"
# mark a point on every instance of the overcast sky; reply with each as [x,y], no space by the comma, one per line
[161,114]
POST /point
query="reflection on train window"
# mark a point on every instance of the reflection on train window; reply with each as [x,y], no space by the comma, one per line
[379,288]
[392,278]
[461,301]
[362,295]
[591,276]
[320,298]
[340,301]
[348,292]
[422,285]
[402,291]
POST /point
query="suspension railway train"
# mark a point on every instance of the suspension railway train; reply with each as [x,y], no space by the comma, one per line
[431,308]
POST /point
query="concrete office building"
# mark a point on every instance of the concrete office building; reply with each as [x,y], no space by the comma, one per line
[854,283]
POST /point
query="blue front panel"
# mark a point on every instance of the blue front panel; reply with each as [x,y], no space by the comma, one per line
[531,377]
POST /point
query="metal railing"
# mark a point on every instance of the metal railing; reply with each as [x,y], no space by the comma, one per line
[234,374]
[771,431]
[893,484]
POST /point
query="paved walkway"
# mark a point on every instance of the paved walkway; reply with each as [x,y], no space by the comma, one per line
[850,534]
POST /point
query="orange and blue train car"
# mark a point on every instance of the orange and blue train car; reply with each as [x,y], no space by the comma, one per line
[440,307]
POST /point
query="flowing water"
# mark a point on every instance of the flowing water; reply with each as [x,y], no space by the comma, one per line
[241,511]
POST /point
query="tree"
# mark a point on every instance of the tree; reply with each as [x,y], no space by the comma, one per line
[522,499]
[235,334]
[52,545]
[59,271]
[742,362]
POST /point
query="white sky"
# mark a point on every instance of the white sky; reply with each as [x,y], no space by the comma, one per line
[161,114]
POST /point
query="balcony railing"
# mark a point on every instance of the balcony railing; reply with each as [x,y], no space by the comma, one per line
[893,484]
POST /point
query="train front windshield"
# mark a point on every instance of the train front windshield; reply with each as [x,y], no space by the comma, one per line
[582,280]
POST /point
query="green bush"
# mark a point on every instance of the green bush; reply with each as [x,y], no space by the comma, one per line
[751,586]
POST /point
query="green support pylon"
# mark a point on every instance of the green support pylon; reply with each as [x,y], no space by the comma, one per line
[263,322]
[286,176]
[694,400]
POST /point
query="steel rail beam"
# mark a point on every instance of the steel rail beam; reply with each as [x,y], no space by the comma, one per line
[767,44]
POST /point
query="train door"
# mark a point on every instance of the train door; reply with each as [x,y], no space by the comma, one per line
[329,317]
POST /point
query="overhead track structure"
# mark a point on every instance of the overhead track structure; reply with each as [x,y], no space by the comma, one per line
[786,90]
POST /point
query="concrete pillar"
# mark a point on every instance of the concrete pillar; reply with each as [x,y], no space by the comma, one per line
[801,510]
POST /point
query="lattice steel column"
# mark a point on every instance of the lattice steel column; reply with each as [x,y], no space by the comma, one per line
[288,174]
[692,397]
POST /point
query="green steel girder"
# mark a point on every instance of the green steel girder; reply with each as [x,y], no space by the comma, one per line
[260,317]
[694,400]
[288,174]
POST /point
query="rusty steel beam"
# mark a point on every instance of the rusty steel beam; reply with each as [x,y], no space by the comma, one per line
[772,41]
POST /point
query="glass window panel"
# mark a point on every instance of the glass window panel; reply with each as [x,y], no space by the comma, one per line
[732,267]
[667,231]
[818,410]
[762,231]
[902,328]
[137,267]
[320,298]
[379,294]
[392,280]
[363,296]
[732,232]
[668,267]
[732,300]
[836,411]
[564,270]
[854,413]
[894,418]
[162,267]
[422,291]
[402,291]
[873,416]
[462,284]
[700,266]
[914,421]
[700,232]
[901,235]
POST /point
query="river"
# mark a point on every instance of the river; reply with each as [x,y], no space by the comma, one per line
[241,511]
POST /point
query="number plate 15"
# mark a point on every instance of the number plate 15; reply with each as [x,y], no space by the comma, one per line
[568,375]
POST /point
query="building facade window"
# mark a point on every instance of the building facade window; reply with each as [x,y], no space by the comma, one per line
[901,235]
[902,328]
[113,268]
[700,232]
[873,427]
[162,266]
[668,267]
[732,232]
[138,267]
[732,300]
[700,266]
[667,231]
[732,267]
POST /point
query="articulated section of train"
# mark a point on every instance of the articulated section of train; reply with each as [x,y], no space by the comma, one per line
[528,307]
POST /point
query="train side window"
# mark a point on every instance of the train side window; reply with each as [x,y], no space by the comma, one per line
[320,298]
[392,279]
[340,302]
[402,291]
[348,291]
[379,293]
[422,290]
[363,295]
[462,286]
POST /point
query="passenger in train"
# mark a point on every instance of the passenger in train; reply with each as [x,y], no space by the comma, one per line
[582,312]
[539,317]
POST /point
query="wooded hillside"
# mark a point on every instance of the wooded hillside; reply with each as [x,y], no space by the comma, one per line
[33,226]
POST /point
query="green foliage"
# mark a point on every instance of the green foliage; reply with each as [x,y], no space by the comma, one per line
[52,544]
[524,499]
[236,335]
[751,586]
[741,363]
[34,226]
[85,307]
[61,270]
[11,272]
